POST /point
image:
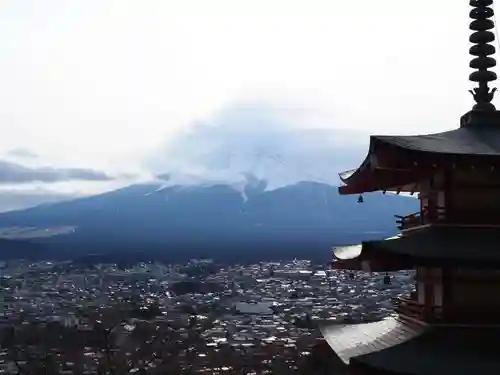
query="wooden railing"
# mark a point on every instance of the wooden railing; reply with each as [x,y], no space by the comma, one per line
[413,309]
[409,307]
[411,220]
[441,216]
[416,219]
[455,315]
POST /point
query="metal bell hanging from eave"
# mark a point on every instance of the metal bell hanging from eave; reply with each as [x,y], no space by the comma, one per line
[360,199]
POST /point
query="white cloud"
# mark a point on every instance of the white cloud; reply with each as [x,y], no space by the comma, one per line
[274,140]
[102,83]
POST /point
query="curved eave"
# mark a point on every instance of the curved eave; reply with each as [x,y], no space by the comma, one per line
[378,171]
[460,246]
[387,264]
[390,157]
[351,341]
[353,175]
[463,147]
[423,349]
[380,156]
[363,258]
[379,179]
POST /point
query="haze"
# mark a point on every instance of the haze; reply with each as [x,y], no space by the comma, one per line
[106,92]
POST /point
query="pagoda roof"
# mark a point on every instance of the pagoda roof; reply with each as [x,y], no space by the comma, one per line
[476,246]
[468,141]
[394,161]
[399,347]
[354,340]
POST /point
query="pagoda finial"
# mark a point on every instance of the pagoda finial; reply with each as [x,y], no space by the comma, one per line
[481,14]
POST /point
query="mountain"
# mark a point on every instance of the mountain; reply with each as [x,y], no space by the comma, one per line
[217,221]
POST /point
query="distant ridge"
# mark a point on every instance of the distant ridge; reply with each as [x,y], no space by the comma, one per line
[215,221]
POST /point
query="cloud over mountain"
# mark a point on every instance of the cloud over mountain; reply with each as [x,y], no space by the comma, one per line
[14,173]
[279,142]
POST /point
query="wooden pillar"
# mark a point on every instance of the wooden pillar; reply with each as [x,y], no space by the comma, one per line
[432,201]
[425,290]
[448,193]
[447,292]
[429,293]
[420,285]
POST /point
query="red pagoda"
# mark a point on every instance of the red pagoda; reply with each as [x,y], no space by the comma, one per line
[451,322]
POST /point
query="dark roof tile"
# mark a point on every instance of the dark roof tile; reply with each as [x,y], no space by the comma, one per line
[478,141]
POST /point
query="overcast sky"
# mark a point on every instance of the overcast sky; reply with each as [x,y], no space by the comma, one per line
[116,86]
